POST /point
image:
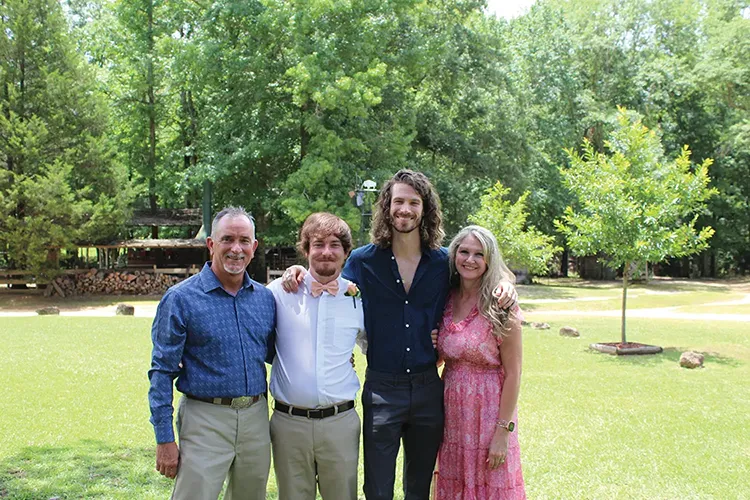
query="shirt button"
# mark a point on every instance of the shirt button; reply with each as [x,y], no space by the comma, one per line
[407,325]
[398,281]
[406,302]
[408,370]
[408,349]
[393,257]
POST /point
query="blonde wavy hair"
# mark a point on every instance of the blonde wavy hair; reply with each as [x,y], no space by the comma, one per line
[496,272]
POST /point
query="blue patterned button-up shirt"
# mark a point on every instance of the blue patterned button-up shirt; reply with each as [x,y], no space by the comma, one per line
[221,340]
[398,324]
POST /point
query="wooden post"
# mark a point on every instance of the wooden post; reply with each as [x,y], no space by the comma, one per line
[207,207]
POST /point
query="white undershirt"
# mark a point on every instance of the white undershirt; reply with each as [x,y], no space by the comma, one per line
[315,337]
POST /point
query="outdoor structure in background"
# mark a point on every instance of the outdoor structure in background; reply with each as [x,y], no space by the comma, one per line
[134,266]
[142,266]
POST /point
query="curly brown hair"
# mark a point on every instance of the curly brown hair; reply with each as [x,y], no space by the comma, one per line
[430,230]
[323,225]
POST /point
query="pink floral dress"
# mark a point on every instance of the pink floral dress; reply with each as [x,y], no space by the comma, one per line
[473,378]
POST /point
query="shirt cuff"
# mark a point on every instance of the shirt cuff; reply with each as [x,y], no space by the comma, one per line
[164,433]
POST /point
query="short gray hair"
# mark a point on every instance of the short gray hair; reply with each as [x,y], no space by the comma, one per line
[232,212]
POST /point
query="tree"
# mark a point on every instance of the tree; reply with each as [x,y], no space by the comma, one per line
[522,245]
[59,181]
[633,204]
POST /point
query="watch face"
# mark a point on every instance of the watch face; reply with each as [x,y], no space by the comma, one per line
[511,426]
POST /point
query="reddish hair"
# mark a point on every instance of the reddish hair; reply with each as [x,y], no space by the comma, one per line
[323,225]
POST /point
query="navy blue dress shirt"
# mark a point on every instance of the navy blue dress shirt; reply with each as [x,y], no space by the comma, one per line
[398,324]
[220,339]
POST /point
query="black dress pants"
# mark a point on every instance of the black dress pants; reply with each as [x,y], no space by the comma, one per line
[397,407]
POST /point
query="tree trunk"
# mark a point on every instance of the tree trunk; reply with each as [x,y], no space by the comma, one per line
[257,267]
[625,272]
[151,107]
[564,263]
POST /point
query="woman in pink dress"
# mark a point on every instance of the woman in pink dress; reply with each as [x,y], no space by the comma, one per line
[481,346]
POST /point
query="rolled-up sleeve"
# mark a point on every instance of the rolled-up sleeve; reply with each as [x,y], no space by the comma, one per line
[168,334]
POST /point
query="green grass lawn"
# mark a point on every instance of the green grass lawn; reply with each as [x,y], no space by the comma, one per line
[74,413]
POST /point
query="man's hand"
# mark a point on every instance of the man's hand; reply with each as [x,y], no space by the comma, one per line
[434,336]
[167,459]
[506,294]
[292,277]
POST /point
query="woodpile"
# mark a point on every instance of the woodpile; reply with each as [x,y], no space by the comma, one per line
[113,282]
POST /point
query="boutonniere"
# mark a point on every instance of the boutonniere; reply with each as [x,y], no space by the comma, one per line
[353,291]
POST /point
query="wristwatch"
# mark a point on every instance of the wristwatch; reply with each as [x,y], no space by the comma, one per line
[508,425]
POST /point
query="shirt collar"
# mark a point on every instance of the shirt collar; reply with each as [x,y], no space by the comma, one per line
[211,282]
[426,251]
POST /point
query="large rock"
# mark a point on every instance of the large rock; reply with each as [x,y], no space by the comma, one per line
[48,311]
[125,310]
[540,326]
[569,331]
[691,359]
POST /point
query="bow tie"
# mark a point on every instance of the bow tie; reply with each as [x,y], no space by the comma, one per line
[318,288]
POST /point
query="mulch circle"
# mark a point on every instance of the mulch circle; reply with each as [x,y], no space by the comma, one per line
[623,348]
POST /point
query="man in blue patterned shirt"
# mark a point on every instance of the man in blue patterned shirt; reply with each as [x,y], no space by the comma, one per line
[211,333]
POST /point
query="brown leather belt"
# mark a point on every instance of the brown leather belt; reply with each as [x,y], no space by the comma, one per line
[236,403]
[316,412]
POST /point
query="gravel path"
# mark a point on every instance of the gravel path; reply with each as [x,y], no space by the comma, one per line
[147,311]
[658,313]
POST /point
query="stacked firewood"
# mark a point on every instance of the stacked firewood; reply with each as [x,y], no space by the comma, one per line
[113,282]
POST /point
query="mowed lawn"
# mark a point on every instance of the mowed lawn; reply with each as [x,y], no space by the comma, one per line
[74,414]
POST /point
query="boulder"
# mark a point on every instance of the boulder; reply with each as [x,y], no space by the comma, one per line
[691,359]
[125,310]
[540,326]
[48,311]
[569,331]
[524,323]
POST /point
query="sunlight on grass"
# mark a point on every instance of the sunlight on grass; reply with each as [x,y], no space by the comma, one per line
[75,424]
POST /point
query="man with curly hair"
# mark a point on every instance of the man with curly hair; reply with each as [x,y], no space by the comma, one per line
[404,278]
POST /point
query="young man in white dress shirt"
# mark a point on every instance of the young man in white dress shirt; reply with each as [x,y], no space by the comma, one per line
[314,428]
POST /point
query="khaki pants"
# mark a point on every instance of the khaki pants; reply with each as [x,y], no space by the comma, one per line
[328,446]
[216,443]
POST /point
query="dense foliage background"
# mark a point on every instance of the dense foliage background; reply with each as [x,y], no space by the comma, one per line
[288,105]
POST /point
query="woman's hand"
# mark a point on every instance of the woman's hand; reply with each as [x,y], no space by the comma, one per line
[498,448]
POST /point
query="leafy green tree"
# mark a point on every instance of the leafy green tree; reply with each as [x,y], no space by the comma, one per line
[522,245]
[634,205]
[723,73]
[60,182]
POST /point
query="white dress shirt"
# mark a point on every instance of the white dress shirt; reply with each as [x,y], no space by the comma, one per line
[315,337]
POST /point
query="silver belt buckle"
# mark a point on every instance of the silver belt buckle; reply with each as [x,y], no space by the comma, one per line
[240,403]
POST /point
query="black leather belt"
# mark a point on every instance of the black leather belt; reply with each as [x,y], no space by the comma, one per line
[314,413]
[236,403]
